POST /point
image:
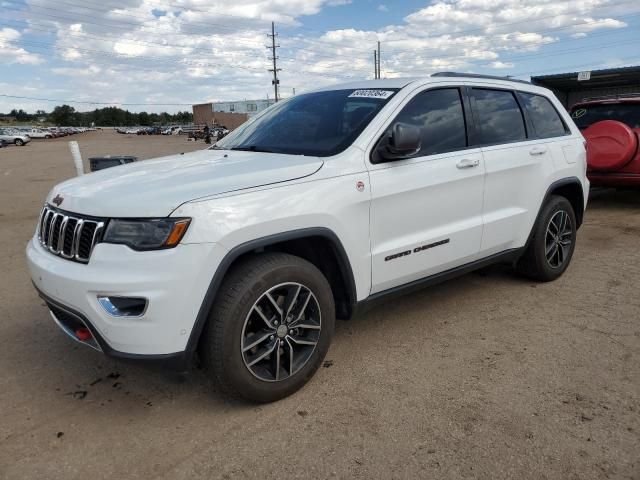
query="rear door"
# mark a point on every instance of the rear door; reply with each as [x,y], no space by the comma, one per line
[518,165]
[426,211]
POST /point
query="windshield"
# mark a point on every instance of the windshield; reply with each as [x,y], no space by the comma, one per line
[319,124]
[627,113]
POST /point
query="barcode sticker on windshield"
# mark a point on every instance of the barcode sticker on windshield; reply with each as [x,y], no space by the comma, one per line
[383,94]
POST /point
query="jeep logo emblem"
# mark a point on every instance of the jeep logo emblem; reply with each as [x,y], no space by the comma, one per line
[58,200]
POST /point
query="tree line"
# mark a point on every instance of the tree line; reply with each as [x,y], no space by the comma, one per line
[67,116]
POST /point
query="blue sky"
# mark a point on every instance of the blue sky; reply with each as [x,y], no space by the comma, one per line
[157,55]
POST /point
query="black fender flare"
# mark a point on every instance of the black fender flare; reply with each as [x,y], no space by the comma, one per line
[256,244]
[563,182]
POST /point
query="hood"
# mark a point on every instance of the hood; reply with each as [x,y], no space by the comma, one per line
[154,188]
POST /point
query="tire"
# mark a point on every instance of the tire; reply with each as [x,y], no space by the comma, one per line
[47,136]
[242,314]
[18,142]
[548,254]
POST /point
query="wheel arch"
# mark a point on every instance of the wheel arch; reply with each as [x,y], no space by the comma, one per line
[571,189]
[312,244]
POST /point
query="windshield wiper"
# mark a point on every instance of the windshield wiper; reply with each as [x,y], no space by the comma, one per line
[254,148]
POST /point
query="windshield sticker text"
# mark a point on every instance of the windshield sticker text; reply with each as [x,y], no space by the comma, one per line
[382,94]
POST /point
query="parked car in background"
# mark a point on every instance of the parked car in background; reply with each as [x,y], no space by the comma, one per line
[247,252]
[14,136]
[612,129]
[149,131]
[39,133]
[58,132]
[219,132]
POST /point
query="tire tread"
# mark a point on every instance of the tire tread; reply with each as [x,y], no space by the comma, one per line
[232,290]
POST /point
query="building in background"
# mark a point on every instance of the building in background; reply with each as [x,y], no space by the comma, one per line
[250,107]
[575,87]
[228,114]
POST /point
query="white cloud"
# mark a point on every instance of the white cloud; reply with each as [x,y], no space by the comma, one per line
[499,64]
[10,52]
[193,51]
[383,8]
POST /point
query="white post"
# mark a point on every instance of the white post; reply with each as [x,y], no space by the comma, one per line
[77,158]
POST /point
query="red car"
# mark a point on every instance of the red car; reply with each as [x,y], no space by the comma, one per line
[611,127]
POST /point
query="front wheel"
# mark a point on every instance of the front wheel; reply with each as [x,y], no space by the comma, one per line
[270,327]
[18,142]
[552,243]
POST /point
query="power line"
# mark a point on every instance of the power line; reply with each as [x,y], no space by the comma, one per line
[488,41]
[85,102]
[156,59]
[332,76]
[349,47]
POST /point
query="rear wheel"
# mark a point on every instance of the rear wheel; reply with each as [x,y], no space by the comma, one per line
[270,327]
[553,242]
[18,142]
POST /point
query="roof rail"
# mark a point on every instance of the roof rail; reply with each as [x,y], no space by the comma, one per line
[613,96]
[478,75]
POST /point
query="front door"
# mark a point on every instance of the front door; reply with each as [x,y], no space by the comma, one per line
[426,210]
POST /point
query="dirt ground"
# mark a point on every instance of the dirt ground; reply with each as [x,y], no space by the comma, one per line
[487,376]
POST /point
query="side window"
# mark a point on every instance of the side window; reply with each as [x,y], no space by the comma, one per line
[499,116]
[545,118]
[440,117]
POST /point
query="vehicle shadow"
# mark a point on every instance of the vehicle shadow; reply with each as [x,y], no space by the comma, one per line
[613,199]
[83,373]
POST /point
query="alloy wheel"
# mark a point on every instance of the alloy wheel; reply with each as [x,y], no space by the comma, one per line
[558,239]
[280,332]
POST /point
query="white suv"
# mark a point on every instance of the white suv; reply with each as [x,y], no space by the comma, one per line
[247,252]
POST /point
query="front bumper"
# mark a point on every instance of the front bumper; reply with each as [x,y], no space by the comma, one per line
[174,282]
[68,319]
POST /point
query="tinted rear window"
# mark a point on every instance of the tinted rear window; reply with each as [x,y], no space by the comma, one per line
[627,113]
[499,116]
[545,118]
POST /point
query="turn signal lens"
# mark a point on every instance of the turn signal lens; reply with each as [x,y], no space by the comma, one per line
[178,231]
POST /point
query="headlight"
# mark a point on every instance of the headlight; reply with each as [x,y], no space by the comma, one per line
[150,234]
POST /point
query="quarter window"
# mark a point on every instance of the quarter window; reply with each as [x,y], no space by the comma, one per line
[499,116]
[440,117]
[545,118]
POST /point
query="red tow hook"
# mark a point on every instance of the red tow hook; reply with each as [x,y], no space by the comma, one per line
[84,334]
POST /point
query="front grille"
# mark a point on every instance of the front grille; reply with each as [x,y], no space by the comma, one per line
[69,236]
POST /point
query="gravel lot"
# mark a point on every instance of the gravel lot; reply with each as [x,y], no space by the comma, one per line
[487,376]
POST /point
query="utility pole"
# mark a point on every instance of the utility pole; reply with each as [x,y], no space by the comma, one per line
[379,72]
[273,57]
[375,65]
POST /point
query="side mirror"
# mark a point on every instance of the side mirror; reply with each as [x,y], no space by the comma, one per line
[403,141]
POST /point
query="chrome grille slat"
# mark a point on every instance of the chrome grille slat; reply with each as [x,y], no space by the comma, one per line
[63,226]
[52,232]
[53,235]
[76,238]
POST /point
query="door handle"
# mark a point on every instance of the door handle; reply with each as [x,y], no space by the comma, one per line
[468,163]
[538,151]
